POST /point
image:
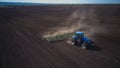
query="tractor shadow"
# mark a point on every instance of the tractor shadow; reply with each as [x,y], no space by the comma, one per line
[95,48]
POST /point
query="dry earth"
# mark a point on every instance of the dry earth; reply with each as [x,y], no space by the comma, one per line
[22,31]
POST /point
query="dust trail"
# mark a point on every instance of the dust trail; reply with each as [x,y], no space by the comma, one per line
[84,19]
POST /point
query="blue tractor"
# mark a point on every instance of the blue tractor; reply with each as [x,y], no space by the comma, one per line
[79,39]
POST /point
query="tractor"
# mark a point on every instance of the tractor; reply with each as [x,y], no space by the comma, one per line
[79,39]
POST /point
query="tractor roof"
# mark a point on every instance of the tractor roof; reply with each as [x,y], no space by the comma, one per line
[79,32]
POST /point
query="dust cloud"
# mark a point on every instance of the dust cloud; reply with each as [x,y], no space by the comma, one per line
[84,19]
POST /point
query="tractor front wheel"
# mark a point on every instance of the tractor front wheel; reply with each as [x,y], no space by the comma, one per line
[84,45]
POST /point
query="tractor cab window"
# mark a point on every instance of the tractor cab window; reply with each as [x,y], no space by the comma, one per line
[77,35]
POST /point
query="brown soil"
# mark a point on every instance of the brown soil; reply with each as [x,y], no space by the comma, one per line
[22,29]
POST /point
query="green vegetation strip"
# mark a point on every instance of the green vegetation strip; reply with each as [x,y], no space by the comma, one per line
[60,37]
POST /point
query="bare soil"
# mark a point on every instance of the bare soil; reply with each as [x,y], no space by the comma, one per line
[22,44]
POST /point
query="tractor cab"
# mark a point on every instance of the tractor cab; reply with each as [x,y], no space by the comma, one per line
[77,38]
[77,35]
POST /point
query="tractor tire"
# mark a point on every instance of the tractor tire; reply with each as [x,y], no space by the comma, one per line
[84,45]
